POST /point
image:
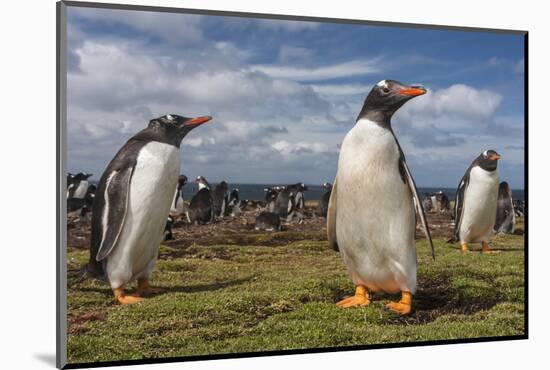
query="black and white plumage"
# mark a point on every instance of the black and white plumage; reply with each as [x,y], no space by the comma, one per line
[201,207]
[285,203]
[132,202]
[178,204]
[322,209]
[371,216]
[505,222]
[270,197]
[168,228]
[84,205]
[267,221]
[77,185]
[476,201]
[220,198]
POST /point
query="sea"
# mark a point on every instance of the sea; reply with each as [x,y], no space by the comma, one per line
[256,191]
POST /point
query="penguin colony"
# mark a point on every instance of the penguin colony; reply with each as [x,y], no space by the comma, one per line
[140,198]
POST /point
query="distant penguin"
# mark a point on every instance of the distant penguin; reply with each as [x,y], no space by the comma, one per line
[298,190]
[132,202]
[427,203]
[444,203]
[371,217]
[285,204]
[505,222]
[270,198]
[322,208]
[220,197]
[201,207]
[268,221]
[476,202]
[168,228]
[84,205]
[178,205]
[519,207]
[78,185]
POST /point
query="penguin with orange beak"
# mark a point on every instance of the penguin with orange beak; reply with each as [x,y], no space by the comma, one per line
[133,199]
[371,214]
[476,202]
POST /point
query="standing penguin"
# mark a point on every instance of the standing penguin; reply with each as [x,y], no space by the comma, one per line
[476,202]
[132,202]
[201,205]
[322,209]
[505,222]
[371,216]
[178,206]
[220,197]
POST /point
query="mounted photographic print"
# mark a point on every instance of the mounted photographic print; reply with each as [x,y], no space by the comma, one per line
[234,184]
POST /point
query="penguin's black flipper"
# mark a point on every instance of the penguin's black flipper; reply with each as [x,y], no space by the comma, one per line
[117,188]
[404,169]
[331,219]
[459,203]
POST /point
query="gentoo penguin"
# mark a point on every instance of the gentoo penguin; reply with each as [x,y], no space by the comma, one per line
[476,202]
[298,191]
[78,185]
[371,216]
[505,222]
[84,205]
[427,203]
[220,198]
[201,207]
[285,204]
[323,202]
[270,197]
[268,221]
[178,206]
[444,203]
[132,201]
[519,207]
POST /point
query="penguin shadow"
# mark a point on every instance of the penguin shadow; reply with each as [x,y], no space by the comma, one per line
[197,288]
[435,298]
[496,249]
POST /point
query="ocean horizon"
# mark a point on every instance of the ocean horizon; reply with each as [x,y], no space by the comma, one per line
[256,191]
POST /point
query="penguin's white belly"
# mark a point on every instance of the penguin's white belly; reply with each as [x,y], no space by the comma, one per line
[177,205]
[375,218]
[80,192]
[151,193]
[480,206]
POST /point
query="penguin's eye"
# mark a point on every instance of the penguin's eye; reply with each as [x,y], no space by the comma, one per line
[385,90]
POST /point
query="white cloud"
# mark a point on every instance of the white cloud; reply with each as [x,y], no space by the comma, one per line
[291,26]
[344,69]
[342,89]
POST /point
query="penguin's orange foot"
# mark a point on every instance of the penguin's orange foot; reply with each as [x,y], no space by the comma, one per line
[465,248]
[122,298]
[361,298]
[400,308]
[144,289]
[403,307]
[487,249]
[129,299]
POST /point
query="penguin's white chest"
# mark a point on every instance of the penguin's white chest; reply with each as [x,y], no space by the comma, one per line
[81,190]
[480,206]
[151,193]
[375,220]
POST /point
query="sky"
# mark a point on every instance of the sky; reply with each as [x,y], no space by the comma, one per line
[283,94]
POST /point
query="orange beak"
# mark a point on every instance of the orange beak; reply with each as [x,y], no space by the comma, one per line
[413,91]
[494,157]
[197,121]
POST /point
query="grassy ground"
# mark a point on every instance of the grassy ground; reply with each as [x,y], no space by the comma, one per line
[278,292]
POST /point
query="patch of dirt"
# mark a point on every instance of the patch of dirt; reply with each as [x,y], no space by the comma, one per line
[239,231]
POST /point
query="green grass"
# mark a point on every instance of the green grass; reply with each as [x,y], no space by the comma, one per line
[227,299]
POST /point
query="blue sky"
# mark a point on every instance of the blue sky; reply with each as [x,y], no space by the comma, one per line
[283,94]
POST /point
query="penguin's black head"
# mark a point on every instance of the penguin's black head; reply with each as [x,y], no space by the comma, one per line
[504,190]
[327,186]
[488,160]
[202,181]
[81,176]
[182,180]
[172,128]
[385,98]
